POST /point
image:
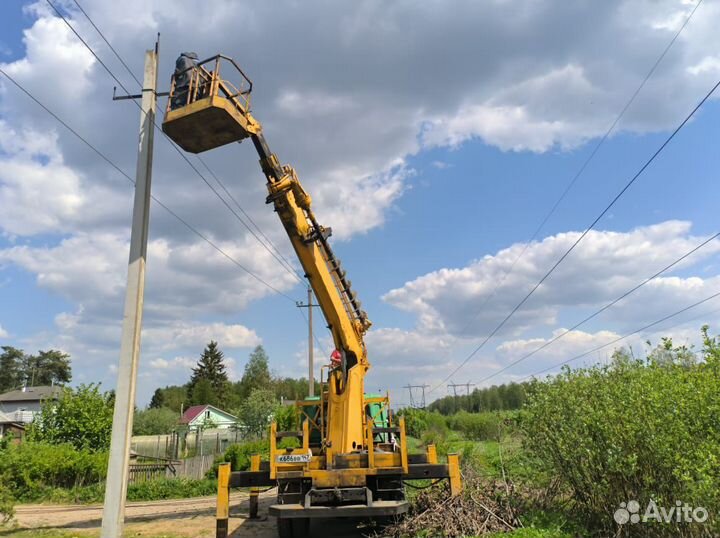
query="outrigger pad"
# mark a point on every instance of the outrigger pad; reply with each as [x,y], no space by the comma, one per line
[207,124]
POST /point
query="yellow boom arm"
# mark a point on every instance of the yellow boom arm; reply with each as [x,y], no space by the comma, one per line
[206,111]
[346,320]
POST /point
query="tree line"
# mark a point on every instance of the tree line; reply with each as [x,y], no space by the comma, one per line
[496,398]
[209,383]
[253,399]
[18,369]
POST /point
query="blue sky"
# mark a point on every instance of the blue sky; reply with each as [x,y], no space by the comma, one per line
[433,164]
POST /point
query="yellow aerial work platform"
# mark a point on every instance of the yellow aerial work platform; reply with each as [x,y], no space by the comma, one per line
[209,112]
[345,456]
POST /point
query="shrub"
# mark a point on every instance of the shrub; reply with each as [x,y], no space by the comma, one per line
[171,488]
[30,470]
[632,430]
[286,417]
[155,421]
[238,455]
[82,417]
[7,508]
[415,421]
[476,426]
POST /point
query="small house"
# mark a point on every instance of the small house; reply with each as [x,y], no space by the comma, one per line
[23,404]
[207,417]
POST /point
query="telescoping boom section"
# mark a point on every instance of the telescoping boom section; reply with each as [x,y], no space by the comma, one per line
[346,456]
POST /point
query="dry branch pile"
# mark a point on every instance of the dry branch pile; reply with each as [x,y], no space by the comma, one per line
[485,506]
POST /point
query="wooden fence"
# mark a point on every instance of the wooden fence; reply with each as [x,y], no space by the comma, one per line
[194,468]
[140,472]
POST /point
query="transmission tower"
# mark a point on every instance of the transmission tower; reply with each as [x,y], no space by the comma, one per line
[412,399]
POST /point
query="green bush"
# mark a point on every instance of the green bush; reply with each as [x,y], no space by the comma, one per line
[286,417]
[30,470]
[155,421]
[7,502]
[238,455]
[476,426]
[415,421]
[643,430]
[82,417]
[171,488]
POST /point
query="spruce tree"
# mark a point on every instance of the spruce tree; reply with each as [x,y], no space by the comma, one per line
[211,368]
[158,399]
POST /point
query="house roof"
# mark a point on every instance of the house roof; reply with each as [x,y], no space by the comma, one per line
[191,413]
[32,394]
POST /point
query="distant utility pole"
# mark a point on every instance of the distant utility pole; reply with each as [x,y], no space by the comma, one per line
[454,387]
[311,366]
[117,476]
[412,400]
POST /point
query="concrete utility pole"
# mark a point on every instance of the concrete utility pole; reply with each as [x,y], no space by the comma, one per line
[117,476]
[311,366]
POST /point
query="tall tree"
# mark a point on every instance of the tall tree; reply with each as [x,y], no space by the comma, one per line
[203,393]
[11,360]
[158,399]
[210,367]
[50,367]
[256,411]
[256,374]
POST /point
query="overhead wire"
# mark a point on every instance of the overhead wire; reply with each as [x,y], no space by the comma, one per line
[107,43]
[320,346]
[283,260]
[625,336]
[584,233]
[289,269]
[154,198]
[582,168]
[603,309]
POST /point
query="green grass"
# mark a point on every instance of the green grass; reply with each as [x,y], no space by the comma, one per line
[150,490]
[530,532]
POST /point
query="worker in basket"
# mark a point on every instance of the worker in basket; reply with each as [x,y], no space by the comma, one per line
[185,66]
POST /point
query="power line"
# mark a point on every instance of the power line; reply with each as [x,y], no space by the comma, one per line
[587,230]
[600,311]
[155,199]
[582,168]
[654,323]
[282,259]
[315,338]
[107,43]
[179,151]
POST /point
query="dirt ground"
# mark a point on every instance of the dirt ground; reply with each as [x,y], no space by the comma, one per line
[183,517]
